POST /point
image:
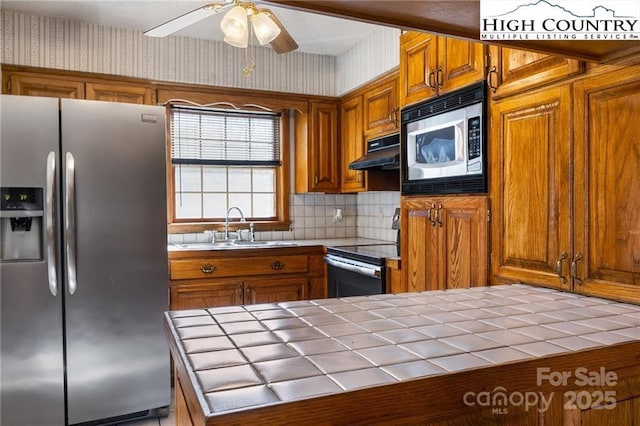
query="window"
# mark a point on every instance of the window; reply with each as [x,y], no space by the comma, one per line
[226,158]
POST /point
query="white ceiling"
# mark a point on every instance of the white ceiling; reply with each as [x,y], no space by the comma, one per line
[314,33]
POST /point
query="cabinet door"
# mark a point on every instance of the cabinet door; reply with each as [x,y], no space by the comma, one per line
[120,93]
[205,295]
[460,63]
[607,185]
[420,246]
[323,150]
[463,222]
[275,290]
[626,412]
[381,109]
[353,144]
[446,242]
[418,57]
[44,86]
[530,175]
[519,70]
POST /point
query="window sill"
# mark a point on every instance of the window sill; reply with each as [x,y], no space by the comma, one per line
[194,227]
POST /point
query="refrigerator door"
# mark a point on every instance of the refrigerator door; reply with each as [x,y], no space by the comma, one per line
[115,258]
[32,374]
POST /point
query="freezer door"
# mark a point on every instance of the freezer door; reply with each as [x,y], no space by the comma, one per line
[115,258]
[32,374]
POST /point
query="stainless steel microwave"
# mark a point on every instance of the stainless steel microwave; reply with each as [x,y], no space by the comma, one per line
[443,144]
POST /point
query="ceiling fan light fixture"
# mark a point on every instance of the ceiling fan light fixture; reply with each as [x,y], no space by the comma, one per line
[241,40]
[234,25]
[264,27]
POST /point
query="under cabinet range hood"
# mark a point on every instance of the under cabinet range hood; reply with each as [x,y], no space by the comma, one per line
[382,153]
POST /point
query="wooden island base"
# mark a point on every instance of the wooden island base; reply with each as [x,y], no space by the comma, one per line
[439,400]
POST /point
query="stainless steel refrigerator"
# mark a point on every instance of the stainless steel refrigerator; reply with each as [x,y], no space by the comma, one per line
[83,261]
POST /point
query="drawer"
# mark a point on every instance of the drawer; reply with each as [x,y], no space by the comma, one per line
[186,269]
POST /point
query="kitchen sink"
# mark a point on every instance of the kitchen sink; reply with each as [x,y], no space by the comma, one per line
[227,245]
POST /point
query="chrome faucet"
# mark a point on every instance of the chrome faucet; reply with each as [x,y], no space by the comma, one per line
[226,221]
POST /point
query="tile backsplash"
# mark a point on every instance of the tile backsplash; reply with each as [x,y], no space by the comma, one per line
[375,213]
[313,216]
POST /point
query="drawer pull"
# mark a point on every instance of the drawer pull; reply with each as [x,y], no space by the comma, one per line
[207,268]
[277,265]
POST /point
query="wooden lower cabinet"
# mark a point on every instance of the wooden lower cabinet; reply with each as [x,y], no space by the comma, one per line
[393,277]
[192,295]
[446,242]
[625,413]
[275,290]
[238,277]
[183,417]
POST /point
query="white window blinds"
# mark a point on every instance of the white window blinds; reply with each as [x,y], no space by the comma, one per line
[222,137]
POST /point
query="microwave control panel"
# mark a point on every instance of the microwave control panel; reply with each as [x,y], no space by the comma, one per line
[474,135]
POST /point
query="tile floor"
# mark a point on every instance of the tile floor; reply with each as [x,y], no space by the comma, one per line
[170,420]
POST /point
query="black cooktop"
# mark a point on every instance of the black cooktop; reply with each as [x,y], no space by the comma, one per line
[374,254]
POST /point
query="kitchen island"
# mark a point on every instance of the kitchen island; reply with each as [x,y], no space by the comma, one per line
[510,354]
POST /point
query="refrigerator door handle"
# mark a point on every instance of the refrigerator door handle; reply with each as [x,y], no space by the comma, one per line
[50,224]
[70,222]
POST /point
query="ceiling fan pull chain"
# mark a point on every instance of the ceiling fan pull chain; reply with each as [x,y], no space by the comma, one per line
[251,65]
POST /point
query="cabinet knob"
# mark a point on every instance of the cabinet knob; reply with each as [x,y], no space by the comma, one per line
[492,87]
[207,268]
[562,257]
[574,268]
[277,265]
[393,117]
[440,77]
[431,80]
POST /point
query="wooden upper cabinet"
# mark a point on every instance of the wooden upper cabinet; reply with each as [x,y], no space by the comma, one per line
[76,87]
[512,71]
[381,110]
[418,56]
[431,65]
[445,242]
[317,155]
[38,85]
[352,143]
[460,63]
[607,185]
[530,176]
[121,93]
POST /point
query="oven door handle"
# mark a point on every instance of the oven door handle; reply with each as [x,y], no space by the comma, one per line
[370,272]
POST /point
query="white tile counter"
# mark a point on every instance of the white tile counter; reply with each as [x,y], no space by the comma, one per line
[245,357]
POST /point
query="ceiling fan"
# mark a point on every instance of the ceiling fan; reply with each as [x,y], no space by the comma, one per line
[235,25]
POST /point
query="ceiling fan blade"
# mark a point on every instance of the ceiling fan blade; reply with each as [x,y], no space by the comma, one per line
[183,21]
[284,43]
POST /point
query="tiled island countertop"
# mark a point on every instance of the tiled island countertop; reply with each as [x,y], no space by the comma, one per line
[410,357]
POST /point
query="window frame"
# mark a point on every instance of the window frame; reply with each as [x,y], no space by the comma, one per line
[282,221]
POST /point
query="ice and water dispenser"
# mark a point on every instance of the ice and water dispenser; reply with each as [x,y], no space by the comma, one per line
[21,224]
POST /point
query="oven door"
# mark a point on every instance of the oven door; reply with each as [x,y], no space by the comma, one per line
[346,277]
